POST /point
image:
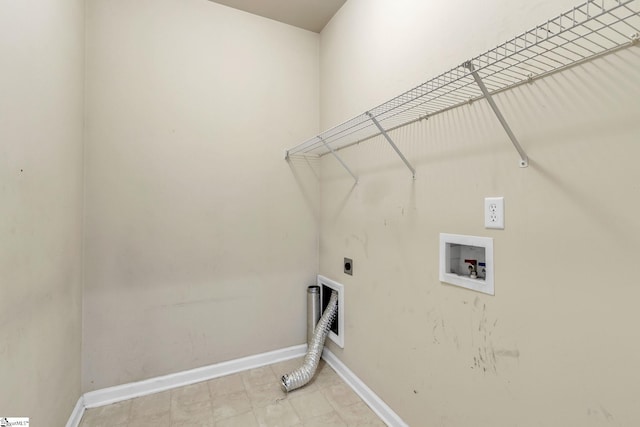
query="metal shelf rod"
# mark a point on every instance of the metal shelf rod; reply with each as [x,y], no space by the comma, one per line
[524,160]
[338,158]
[390,141]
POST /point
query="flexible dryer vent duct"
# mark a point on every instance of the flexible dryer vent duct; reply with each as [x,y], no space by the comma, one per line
[303,374]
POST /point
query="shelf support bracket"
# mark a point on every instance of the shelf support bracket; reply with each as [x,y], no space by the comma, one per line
[390,141]
[338,158]
[524,159]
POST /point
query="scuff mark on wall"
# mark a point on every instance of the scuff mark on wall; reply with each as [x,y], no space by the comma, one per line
[600,413]
[438,330]
[488,356]
[508,353]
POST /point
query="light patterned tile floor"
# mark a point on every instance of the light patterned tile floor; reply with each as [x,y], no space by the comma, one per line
[251,398]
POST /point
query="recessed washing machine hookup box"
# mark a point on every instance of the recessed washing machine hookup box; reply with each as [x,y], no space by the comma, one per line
[467,261]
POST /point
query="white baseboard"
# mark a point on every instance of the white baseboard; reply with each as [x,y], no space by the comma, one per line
[76,415]
[376,404]
[119,393]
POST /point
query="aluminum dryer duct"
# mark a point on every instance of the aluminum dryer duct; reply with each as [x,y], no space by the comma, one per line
[303,374]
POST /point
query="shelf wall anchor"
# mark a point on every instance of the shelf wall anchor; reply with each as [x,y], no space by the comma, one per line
[338,158]
[390,141]
[524,159]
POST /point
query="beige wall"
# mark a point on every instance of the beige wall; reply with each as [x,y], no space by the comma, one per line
[200,238]
[558,343]
[41,63]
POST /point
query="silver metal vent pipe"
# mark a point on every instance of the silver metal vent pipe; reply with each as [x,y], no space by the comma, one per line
[303,374]
[313,311]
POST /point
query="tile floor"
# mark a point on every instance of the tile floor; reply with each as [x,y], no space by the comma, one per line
[247,399]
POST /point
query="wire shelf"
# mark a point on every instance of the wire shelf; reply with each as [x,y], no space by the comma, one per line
[584,32]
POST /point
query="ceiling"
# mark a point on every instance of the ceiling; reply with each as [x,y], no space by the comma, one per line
[311,15]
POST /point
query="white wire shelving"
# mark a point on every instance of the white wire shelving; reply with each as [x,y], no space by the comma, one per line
[591,29]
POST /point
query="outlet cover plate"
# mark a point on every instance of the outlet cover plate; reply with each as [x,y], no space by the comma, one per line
[494,212]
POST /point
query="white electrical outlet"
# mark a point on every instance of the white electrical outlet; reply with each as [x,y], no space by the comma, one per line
[494,212]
